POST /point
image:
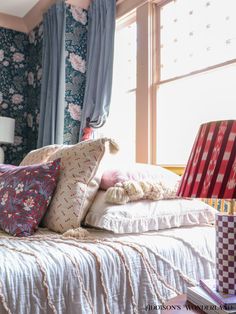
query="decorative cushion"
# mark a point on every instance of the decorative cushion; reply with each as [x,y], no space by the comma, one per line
[25,193]
[146,215]
[80,177]
[79,181]
[40,155]
[139,172]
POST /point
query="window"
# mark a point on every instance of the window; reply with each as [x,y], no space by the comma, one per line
[121,123]
[197,71]
[186,68]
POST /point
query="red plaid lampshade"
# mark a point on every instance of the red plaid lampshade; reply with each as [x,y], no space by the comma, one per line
[211,169]
[211,173]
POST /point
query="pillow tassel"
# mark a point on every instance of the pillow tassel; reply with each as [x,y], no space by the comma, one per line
[157,192]
[128,191]
[146,187]
[117,195]
[133,189]
[113,145]
[79,233]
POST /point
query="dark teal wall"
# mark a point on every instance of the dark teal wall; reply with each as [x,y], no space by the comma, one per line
[20,81]
[76,51]
[20,75]
[34,85]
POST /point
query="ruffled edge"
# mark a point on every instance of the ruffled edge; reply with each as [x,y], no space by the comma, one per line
[140,225]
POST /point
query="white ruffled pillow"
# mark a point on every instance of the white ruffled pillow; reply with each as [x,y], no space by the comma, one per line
[146,215]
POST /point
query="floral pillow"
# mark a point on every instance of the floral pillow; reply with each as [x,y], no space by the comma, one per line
[25,193]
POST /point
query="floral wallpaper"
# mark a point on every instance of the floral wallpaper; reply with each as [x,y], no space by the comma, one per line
[20,75]
[76,50]
[13,89]
[34,85]
[20,81]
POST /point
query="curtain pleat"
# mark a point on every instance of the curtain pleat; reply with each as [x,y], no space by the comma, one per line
[101,30]
[51,126]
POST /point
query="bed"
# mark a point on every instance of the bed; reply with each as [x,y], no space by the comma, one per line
[104,273]
[118,264]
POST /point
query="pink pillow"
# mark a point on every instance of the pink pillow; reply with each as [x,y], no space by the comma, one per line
[25,193]
[139,172]
[111,177]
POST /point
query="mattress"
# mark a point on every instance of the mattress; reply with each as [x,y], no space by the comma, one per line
[105,273]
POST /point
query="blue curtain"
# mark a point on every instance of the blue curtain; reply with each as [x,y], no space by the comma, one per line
[51,125]
[101,30]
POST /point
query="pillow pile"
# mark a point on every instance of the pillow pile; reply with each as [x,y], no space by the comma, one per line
[81,175]
[135,213]
[147,215]
[82,166]
[25,193]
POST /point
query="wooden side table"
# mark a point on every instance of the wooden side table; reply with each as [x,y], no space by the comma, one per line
[178,306]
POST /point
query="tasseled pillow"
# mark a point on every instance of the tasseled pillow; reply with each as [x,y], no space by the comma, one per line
[128,191]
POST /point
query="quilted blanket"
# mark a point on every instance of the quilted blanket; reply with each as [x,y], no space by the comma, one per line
[105,273]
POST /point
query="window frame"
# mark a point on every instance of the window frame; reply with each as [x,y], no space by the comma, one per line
[144,89]
[148,75]
[158,82]
[159,4]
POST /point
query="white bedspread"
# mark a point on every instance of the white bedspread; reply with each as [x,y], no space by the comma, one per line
[107,274]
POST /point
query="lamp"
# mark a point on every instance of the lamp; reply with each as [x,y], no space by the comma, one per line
[211,173]
[7,128]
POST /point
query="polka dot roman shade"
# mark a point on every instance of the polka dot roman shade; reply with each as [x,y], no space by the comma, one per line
[211,169]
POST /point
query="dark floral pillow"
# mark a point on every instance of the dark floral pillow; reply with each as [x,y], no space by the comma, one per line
[25,193]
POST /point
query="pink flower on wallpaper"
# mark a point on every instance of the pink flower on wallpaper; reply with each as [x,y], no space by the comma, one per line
[79,15]
[75,111]
[31,78]
[32,37]
[18,140]
[1,55]
[77,63]
[17,99]
[37,119]
[30,120]
[39,74]
[4,105]
[18,57]
[40,32]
